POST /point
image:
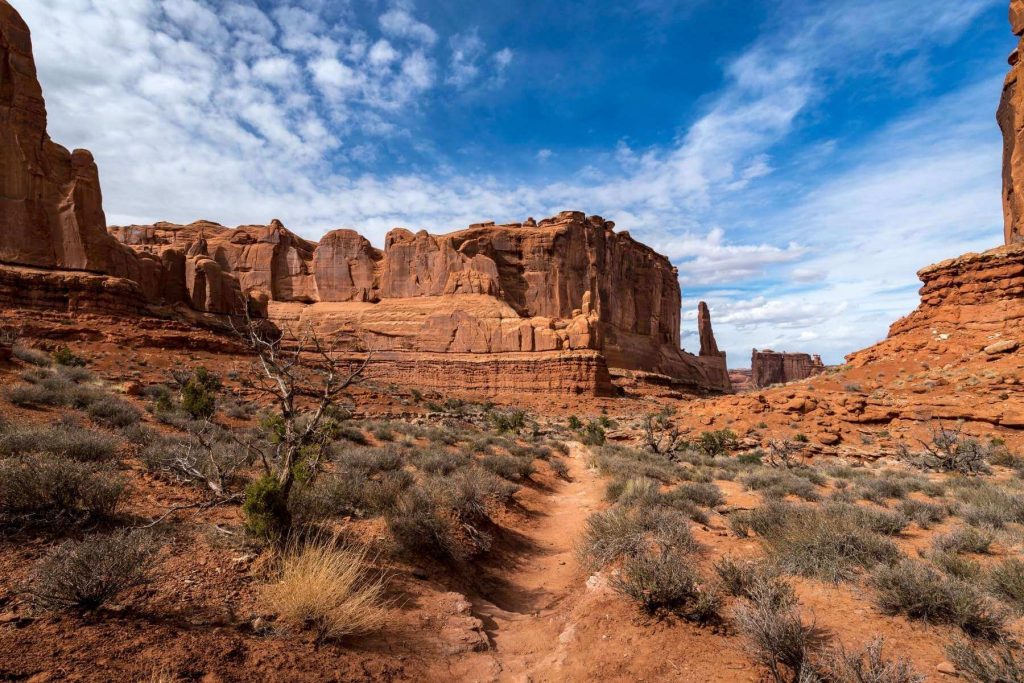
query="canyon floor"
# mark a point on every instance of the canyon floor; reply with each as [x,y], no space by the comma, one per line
[527,589]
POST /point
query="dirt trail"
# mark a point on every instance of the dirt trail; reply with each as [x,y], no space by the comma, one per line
[528,617]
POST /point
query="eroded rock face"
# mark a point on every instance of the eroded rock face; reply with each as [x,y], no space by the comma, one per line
[567,283]
[771,367]
[1011,121]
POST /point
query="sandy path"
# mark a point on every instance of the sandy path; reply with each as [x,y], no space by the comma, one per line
[528,617]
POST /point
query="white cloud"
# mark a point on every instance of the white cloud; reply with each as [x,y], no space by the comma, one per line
[251,125]
[401,24]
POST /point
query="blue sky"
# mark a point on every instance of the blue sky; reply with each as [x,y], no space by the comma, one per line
[798,160]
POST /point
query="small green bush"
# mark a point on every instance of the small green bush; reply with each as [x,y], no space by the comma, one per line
[64,356]
[660,581]
[266,509]
[718,442]
[510,422]
[199,394]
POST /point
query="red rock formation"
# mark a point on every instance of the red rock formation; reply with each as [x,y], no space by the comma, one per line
[708,345]
[1011,121]
[771,367]
[568,283]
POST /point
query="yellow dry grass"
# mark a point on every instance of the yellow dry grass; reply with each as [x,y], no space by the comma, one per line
[327,587]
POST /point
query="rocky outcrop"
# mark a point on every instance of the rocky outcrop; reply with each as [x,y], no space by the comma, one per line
[567,283]
[771,367]
[1011,121]
[708,345]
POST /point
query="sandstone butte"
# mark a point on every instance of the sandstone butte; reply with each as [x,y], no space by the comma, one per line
[553,305]
[769,367]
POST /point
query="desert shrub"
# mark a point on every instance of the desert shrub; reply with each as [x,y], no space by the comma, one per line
[780,640]
[951,451]
[54,485]
[23,395]
[205,457]
[623,532]
[88,574]
[827,543]
[661,581]
[1001,663]
[560,469]
[779,483]
[999,454]
[919,592]
[32,356]
[593,434]
[64,356]
[637,491]
[327,588]
[75,373]
[964,539]
[989,505]
[1006,581]
[370,460]
[440,461]
[510,422]
[509,467]
[882,488]
[76,444]
[240,410]
[924,514]
[199,393]
[681,503]
[382,433]
[757,582]
[703,494]
[114,412]
[625,463]
[885,522]
[444,516]
[353,434]
[718,442]
[954,564]
[867,665]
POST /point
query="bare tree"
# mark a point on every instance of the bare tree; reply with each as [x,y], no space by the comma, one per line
[303,379]
[785,453]
[661,434]
[951,451]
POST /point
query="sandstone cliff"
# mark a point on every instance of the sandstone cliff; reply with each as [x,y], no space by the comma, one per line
[1011,121]
[567,283]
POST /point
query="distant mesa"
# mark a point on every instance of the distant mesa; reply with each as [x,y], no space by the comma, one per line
[769,367]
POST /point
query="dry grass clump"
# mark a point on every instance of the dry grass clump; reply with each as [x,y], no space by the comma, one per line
[509,467]
[989,505]
[665,582]
[32,356]
[828,543]
[920,592]
[88,574]
[327,588]
[113,412]
[780,640]
[627,463]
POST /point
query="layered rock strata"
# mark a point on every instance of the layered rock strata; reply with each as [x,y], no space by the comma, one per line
[564,284]
[1011,121]
[771,367]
